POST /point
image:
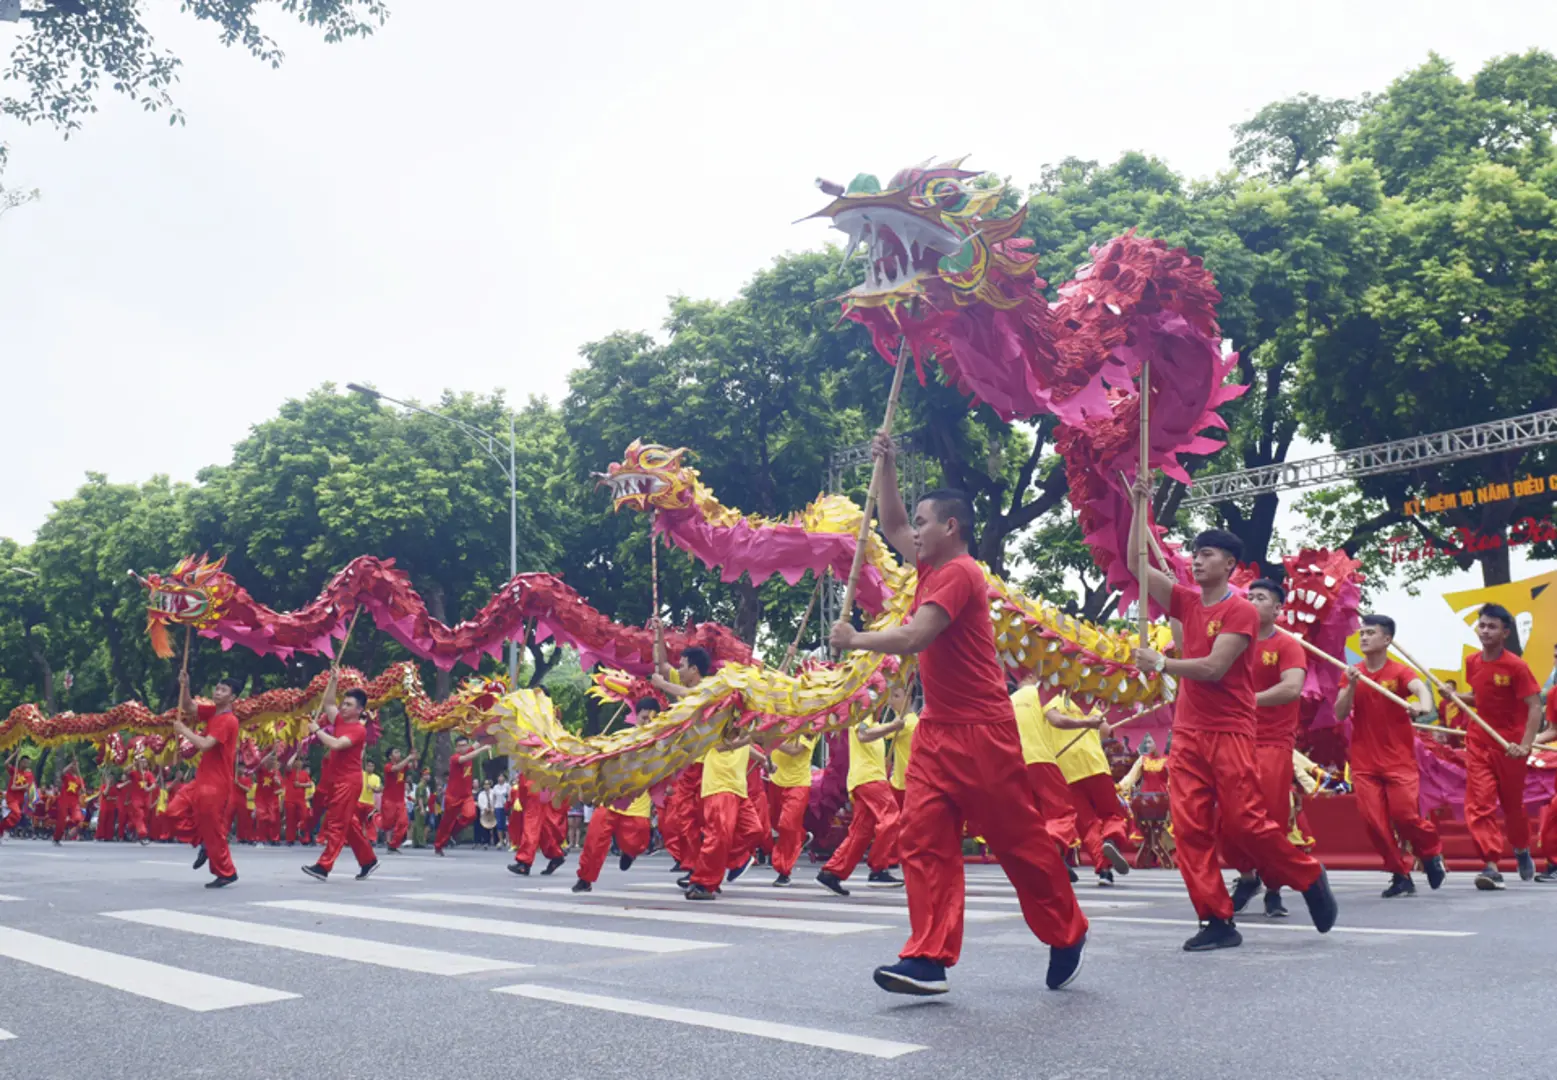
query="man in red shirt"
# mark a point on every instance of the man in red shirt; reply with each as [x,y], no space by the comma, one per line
[967,759]
[203,802]
[459,802]
[135,803]
[107,806]
[1280,665]
[295,782]
[1450,714]
[1212,778]
[19,781]
[343,764]
[67,811]
[392,813]
[1505,695]
[267,802]
[1385,776]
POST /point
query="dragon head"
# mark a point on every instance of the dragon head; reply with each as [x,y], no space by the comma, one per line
[925,228]
[196,594]
[650,476]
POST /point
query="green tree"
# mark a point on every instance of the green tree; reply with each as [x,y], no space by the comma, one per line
[1288,138]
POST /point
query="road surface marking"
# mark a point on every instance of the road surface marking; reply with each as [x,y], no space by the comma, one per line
[705,915]
[1391,931]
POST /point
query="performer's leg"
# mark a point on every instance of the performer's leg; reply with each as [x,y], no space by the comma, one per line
[1052,794]
[1403,793]
[597,844]
[1243,817]
[1374,809]
[1481,793]
[884,846]
[861,828]
[210,820]
[792,828]
[1192,802]
[720,813]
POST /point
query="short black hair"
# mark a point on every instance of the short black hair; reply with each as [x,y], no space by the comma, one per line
[698,657]
[462,738]
[1498,612]
[1271,587]
[952,504]
[359,695]
[646,704]
[1383,622]
[232,683]
[1222,540]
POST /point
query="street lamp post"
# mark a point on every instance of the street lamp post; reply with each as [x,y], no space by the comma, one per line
[488,442]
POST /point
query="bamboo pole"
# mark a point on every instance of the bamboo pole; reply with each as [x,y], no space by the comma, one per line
[805,620]
[872,494]
[1442,689]
[1342,665]
[1143,602]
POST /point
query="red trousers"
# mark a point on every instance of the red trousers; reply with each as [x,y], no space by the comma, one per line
[875,826]
[66,814]
[973,773]
[791,817]
[631,833]
[267,822]
[456,815]
[1273,775]
[757,794]
[134,820]
[243,817]
[1213,787]
[731,829]
[160,828]
[297,821]
[1390,799]
[1548,837]
[1099,816]
[203,814]
[545,828]
[1055,804]
[395,822]
[681,822]
[12,813]
[108,820]
[515,826]
[343,824]
[1494,779]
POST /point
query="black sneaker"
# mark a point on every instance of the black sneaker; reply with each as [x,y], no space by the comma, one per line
[1400,885]
[58,844]
[314,870]
[221,882]
[1115,858]
[552,864]
[625,862]
[520,868]
[912,975]
[677,868]
[781,881]
[1490,880]
[438,851]
[1435,871]
[582,886]
[1526,864]
[1215,934]
[883,879]
[684,881]
[739,870]
[392,850]
[1065,964]
[1074,877]
[1105,878]
[1244,890]
[831,882]
[1274,908]
[367,871]
[1550,877]
[1320,899]
[697,892]
[200,857]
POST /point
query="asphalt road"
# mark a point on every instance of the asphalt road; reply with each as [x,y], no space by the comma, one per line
[439,967]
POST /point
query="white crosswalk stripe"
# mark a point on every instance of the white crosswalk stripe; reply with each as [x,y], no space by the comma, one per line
[795,903]
[4,1035]
[383,954]
[1387,931]
[606,939]
[766,1029]
[7,898]
[191,990]
[692,916]
[860,899]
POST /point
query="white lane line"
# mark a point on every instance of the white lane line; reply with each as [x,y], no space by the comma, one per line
[184,863]
[44,854]
[837,907]
[740,1025]
[696,916]
[191,990]
[4,1035]
[7,898]
[393,877]
[403,957]
[605,939]
[860,900]
[1390,931]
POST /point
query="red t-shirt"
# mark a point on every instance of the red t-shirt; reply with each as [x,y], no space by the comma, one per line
[1382,735]
[70,787]
[214,773]
[21,780]
[347,763]
[394,786]
[266,787]
[141,783]
[1501,687]
[1227,705]
[960,671]
[1450,714]
[458,788]
[1276,725]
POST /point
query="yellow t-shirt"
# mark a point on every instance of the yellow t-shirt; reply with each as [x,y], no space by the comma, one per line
[725,770]
[902,750]
[867,761]
[370,784]
[1084,759]
[639,807]
[1034,729]
[794,770]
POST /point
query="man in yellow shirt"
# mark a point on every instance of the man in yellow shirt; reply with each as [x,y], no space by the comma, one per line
[731,826]
[902,745]
[1039,745]
[792,780]
[626,821]
[1099,818]
[367,807]
[874,824]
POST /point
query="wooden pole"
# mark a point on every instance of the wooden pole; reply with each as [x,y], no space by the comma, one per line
[614,716]
[1343,666]
[1442,689]
[1112,727]
[654,560]
[805,621]
[189,632]
[872,494]
[1143,509]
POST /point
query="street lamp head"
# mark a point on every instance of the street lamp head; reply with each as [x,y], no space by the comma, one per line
[363,390]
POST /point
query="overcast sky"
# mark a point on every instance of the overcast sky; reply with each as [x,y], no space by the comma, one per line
[464,199]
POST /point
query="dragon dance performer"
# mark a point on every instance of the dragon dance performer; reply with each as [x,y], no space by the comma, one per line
[1385,774]
[516,792]
[1099,819]
[343,774]
[626,821]
[107,805]
[875,821]
[201,806]
[545,830]
[367,802]
[136,808]
[392,815]
[267,802]
[681,823]
[1506,695]
[459,800]
[1042,768]
[297,786]
[1150,804]
[1214,778]
[967,760]
[1280,667]
[67,809]
[19,781]
[731,824]
[903,744]
[792,783]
